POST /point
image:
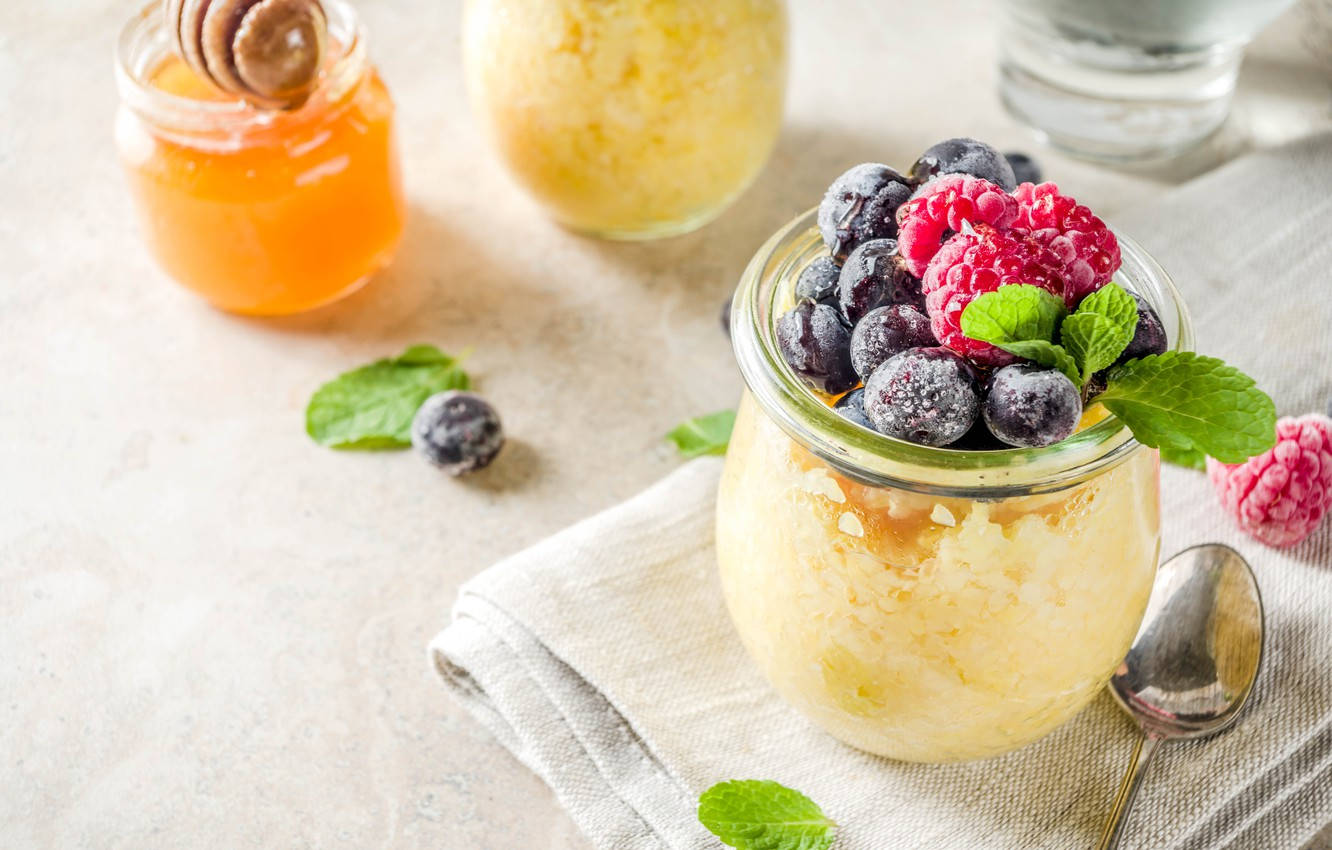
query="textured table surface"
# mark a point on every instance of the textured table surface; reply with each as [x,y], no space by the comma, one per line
[212,631]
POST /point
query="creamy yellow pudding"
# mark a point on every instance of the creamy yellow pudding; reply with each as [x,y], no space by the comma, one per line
[923,627]
[629,118]
[927,603]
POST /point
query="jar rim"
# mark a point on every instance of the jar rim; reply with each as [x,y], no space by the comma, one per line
[880,460]
[144,42]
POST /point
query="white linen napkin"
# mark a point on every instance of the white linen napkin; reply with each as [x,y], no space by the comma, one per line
[605,659]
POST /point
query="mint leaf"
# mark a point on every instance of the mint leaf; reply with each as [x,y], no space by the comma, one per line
[1190,458]
[1114,303]
[756,814]
[423,355]
[1013,313]
[703,435]
[372,407]
[1046,354]
[1093,340]
[1186,402]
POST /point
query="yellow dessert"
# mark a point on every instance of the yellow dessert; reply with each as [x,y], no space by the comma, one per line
[629,118]
[924,627]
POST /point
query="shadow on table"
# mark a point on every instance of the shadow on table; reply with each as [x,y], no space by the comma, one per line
[440,278]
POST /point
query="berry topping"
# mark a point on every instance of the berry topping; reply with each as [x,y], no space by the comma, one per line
[971,264]
[861,205]
[816,345]
[457,431]
[1087,249]
[1280,496]
[886,331]
[852,406]
[941,208]
[1025,169]
[964,156]
[925,395]
[818,282]
[874,277]
[1028,406]
[1149,337]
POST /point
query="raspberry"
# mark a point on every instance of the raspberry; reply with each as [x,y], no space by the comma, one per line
[1280,496]
[971,264]
[1087,248]
[943,205]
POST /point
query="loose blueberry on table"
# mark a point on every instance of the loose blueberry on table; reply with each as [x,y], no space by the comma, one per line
[881,314]
[457,431]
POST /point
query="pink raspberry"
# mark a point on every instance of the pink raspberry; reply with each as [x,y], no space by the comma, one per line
[1087,248]
[972,263]
[943,205]
[1280,496]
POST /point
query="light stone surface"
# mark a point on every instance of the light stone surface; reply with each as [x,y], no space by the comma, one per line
[212,631]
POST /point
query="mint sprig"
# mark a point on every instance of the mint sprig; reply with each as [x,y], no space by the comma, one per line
[758,814]
[1187,458]
[371,407]
[703,435]
[1190,403]
[1014,313]
[1187,405]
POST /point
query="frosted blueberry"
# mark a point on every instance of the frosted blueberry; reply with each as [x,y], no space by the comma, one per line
[457,431]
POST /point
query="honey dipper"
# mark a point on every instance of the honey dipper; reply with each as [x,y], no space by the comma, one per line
[267,51]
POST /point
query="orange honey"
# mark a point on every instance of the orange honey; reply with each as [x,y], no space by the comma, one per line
[261,212]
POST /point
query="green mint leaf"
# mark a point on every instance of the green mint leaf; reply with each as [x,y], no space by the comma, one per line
[1046,354]
[703,435]
[755,814]
[1190,403]
[1190,458]
[1013,313]
[1093,340]
[424,355]
[372,407]
[1113,302]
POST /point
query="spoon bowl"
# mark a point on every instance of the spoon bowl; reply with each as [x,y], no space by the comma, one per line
[1193,664]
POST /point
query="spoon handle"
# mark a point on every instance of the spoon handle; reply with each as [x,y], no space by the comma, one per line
[1128,789]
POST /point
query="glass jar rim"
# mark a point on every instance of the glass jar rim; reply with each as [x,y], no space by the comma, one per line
[144,42]
[880,460]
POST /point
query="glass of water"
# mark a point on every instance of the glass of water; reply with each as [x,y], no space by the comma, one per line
[1126,79]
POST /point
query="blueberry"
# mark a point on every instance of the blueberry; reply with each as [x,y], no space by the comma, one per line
[1149,337]
[852,406]
[1025,169]
[726,317]
[817,346]
[861,205]
[818,282]
[457,431]
[873,277]
[925,395]
[1028,406]
[886,331]
[964,156]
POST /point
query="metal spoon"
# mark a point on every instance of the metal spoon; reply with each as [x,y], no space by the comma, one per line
[1193,662]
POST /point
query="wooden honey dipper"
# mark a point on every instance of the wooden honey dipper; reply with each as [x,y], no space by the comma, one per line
[267,51]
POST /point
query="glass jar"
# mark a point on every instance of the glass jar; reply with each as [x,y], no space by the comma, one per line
[919,603]
[629,120]
[260,211]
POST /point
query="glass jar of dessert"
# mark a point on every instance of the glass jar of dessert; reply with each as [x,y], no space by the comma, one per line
[923,603]
[260,207]
[629,120]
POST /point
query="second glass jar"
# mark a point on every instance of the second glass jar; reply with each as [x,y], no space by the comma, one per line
[628,119]
[918,603]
